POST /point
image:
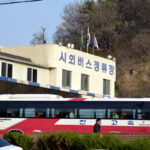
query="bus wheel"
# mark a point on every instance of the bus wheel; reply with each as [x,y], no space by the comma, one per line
[15,131]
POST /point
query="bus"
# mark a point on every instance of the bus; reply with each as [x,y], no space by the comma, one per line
[52,113]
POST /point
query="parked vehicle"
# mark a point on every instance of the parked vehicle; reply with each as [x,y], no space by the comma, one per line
[4,145]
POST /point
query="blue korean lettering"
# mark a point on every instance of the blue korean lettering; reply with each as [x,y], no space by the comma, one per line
[72,59]
[96,66]
[131,123]
[80,61]
[111,69]
[104,67]
[63,57]
[114,122]
[88,64]
[82,122]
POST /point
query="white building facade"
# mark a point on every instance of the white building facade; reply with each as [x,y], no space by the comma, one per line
[57,67]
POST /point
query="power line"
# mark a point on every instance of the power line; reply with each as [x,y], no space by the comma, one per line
[17,1]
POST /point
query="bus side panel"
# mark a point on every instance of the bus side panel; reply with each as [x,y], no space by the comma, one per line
[125,129]
[125,126]
[27,126]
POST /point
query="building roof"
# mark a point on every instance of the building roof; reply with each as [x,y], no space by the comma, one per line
[19,59]
[15,57]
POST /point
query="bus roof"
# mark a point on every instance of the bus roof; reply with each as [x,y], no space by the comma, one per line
[29,96]
[51,97]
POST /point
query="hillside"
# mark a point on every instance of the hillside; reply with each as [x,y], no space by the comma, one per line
[133,67]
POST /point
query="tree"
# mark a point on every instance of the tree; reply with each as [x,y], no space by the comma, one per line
[101,17]
[136,13]
[39,38]
[70,29]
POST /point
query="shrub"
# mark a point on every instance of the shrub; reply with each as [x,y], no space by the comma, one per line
[22,140]
[42,142]
[138,144]
[60,141]
[92,141]
[75,141]
[112,142]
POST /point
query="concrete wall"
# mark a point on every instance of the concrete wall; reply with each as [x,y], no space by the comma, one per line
[20,72]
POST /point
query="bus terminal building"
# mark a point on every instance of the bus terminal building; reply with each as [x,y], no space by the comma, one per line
[55,69]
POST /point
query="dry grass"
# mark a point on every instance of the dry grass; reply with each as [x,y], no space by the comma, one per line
[135,55]
[136,84]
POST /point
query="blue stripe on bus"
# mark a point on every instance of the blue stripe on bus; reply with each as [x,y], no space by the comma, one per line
[34,84]
[55,88]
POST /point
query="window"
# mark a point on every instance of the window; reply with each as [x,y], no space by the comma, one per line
[121,113]
[86,113]
[32,75]
[66,79]
[84,82]
[15,112]
[106,87]
[6,70]
[92,113]
[11,112]
[101,113]
[143,114]
[64,113]
[37,112]
[3,112]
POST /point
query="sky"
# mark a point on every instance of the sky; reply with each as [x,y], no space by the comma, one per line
[18,22]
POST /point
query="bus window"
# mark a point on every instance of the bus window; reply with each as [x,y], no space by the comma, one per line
[14,112]
[121,113]
[21,112]
[92,113]
[37,112]
[3,112]
[101,113]
[41,112]
[86,113]
[64,113]
[143,114]
[29,112]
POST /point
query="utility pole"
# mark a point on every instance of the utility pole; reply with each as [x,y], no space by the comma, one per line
[43,35]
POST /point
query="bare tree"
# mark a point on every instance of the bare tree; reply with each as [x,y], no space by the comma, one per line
[39,38]
[70,29]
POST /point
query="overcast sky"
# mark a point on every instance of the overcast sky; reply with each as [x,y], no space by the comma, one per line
[19,21]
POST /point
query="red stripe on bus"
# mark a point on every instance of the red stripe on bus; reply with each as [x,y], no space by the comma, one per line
[78,99]
[125,129]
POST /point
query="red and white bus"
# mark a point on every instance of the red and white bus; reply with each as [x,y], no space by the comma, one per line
[50,113]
